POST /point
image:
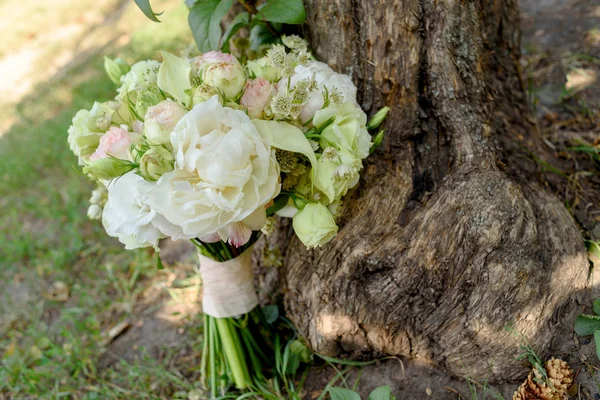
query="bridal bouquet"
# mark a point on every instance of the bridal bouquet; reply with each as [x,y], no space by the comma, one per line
[208,149]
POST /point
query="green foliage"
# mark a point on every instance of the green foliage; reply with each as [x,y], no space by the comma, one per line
[585,324]
[338,393]
[240,21]
[279,202]
[205,18]
[144,5]
[594,250]
[380,393]
[261,35]
[529,353]
[283,11]
[205,22]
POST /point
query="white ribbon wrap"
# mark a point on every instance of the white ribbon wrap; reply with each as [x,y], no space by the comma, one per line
[228,286]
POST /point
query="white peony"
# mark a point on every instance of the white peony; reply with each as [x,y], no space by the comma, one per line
[128,216]
[224,176]
[325,77]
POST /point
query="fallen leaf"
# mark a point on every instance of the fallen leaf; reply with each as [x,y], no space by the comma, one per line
[59,291]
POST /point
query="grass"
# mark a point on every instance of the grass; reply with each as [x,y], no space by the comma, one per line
[56,346]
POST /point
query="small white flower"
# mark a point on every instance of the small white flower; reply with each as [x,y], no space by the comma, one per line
[344,172]
[330,154]
[94,212]
[98,195]
[314,144]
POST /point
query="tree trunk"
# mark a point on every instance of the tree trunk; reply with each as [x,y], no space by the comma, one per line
[447,240]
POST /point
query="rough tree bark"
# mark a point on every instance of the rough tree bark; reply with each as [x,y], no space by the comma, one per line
[446,241]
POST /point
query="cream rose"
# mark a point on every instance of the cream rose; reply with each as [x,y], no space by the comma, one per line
[160,121]
[221,71]
[224,176]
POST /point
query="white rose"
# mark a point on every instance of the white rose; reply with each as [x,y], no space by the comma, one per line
[346,142]
[314,225]
[160,121]
[128,216]
[325,77]
[224,176]
[141,75]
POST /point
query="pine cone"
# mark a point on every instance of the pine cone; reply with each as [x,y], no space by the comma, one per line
[560,379]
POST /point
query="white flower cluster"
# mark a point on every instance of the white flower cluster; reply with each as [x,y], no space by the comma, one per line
[201,148]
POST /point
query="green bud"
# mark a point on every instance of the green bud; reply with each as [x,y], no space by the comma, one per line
[146,99]
[108,168]
[241,43]
[378,118]
[156,162]
[115,68]
[299,202]
[202,93]
[377,141]
[262,67]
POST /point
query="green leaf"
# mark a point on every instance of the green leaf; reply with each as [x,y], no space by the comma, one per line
[381,393]
[174,76]
[241,20]
[338,393]
[205,22]
[159,264]
[284,11]
[144,5]
[298,348]
[587,324]
[260,35]
[279,202]
[597,341]
[597,306]
[593,251]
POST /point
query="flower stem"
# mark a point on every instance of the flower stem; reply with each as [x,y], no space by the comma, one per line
[230,349]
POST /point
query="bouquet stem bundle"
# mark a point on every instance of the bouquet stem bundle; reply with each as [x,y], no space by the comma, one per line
[236,349]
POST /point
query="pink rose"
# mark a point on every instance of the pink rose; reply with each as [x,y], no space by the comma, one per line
[214,57]
[257,95]
[115,142]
